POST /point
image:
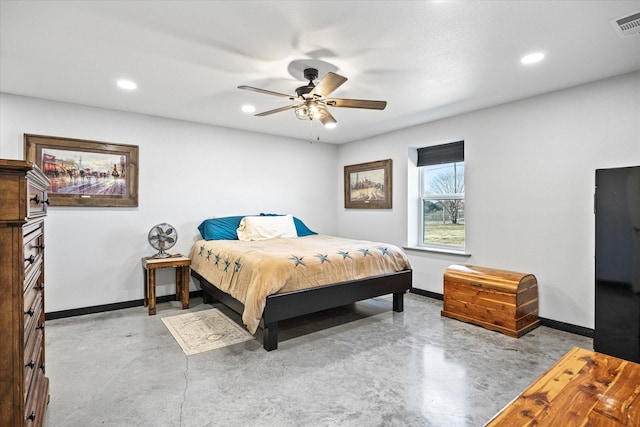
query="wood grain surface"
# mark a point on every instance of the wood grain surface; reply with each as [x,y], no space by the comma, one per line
[583,388]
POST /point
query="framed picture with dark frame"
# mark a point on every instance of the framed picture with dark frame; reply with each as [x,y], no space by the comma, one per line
[86,173]
[368,185]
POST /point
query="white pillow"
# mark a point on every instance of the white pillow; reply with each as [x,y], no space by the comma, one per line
[267,227]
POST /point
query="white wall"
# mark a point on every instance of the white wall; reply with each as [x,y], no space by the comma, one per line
[529,175]
[188,172]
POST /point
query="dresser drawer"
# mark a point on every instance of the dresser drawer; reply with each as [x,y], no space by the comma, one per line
[32,291]
[31,227]
[33,245]
[32,359]
[33,273]
[37,201]
[36,399]
[32,315]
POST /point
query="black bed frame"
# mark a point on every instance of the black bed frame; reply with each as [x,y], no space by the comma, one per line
[297,303]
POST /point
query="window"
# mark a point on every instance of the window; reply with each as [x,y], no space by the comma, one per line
[442,195]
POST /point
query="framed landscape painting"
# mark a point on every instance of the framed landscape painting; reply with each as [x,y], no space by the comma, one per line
[368,185]
[86,173]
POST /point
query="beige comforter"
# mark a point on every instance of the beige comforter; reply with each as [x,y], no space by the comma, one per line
[250,271]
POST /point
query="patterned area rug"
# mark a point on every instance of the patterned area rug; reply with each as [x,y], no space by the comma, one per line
[205,330]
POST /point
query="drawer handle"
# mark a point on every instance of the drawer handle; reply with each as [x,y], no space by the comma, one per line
[31,259]
[30,312]
[40,287]
[46,201]
[36,199]
[32,416]
[41,327]
[31,364]
[40,247]
[41,367]
[476,284]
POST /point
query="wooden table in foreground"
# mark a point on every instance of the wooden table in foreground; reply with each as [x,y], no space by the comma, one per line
[583,388]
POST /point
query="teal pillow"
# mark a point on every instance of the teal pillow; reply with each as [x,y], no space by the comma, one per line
[224,228]
[301,228]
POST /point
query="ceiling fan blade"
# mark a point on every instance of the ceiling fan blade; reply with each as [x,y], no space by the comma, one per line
[325,117]
[356,103]
[277,110]
[266,92]
[328,84]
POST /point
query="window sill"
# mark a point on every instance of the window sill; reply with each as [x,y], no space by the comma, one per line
[438,250]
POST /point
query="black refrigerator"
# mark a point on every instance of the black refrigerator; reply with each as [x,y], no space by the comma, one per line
[617,259]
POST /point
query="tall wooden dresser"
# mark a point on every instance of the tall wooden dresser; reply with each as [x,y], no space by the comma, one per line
[24,388]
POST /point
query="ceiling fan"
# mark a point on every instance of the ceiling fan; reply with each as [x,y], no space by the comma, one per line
[311,102]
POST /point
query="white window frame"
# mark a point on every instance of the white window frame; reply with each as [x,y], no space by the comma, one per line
[436,197]
[422,197]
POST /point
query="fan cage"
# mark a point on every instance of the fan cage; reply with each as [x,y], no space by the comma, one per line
[166,237]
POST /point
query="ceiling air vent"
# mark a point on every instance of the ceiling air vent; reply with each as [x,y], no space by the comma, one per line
[627,25]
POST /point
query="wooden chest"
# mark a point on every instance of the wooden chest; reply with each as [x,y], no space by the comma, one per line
[500,300]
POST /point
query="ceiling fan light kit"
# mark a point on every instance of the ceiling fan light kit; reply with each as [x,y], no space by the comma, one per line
[311,102]
[308,111]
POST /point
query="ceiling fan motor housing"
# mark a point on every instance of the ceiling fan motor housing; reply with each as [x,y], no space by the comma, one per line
[310,74]
[303,90]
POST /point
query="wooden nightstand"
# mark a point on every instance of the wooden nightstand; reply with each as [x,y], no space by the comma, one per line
[149,266]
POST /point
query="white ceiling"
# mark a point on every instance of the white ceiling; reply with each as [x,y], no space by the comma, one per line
[428,59]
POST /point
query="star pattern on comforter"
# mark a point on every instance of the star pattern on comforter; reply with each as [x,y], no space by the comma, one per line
[251,270]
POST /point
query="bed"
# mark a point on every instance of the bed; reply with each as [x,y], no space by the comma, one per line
[297,272]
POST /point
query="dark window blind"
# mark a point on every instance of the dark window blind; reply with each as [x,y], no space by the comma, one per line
[439,154]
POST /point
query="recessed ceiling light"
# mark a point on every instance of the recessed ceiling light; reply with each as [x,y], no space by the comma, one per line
[330,125]
[248,108]
[532,58]
[127,84]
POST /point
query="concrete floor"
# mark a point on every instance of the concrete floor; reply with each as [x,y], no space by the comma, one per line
[359,365]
